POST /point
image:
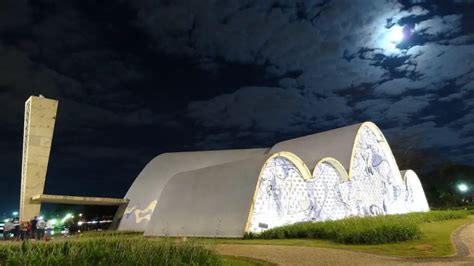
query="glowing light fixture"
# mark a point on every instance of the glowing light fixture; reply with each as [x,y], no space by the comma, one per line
[67,217]
[463,187]
[15,213]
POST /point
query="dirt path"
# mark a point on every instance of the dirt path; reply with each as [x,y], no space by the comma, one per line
[299,255]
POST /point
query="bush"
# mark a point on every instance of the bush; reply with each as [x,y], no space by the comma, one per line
[113,250]
[370,230]
[362,230]
[433,216]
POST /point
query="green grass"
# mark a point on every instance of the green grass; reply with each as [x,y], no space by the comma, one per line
[362,230]
[119,248]
[110,250]
[115,248]
[434,242]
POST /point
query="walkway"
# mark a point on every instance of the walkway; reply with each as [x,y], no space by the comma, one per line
[299,255]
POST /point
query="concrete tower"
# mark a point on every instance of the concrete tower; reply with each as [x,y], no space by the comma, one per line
[40,117]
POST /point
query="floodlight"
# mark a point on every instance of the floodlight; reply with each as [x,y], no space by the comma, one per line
[463,187]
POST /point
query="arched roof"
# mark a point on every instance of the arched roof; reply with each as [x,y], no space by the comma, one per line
[302,168]
[414,186]
[207,184]
[336,164]
[208,202]
[337,143]
[147,187]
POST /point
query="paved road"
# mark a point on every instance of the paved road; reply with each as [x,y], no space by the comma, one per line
[298,255]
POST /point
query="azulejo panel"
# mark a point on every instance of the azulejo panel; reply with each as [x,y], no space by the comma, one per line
[287,194]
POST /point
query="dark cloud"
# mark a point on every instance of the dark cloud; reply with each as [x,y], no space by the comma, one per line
[138,78]
[403,80]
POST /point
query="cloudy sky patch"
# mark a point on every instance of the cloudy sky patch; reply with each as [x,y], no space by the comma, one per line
[138,78]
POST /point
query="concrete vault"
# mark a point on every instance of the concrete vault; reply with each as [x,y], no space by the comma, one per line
[349,171]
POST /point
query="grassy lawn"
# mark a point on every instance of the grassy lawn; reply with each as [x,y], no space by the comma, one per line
[435,241]
[115,249]
[122,248]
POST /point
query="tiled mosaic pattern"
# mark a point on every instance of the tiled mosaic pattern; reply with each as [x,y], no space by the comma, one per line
[284,196]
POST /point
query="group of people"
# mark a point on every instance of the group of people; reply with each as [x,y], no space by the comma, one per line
[34,229]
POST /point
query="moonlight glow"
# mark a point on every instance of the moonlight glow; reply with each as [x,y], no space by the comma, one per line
[395,34]
[388,39]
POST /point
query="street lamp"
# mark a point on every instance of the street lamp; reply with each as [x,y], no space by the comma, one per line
[15,213]
[463,187]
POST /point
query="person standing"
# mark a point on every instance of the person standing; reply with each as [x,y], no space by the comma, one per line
[24,231]
[29,230]
[7,229]
[16,229]
[34,221]
[49,228]
[40,227]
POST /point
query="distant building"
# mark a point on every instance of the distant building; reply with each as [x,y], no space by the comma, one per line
[349,171]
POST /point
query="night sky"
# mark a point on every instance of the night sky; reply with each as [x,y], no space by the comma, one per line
[138,78]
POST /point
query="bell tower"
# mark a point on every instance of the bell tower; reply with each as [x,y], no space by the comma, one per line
[40,118]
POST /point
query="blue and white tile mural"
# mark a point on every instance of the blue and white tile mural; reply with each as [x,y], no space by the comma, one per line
[374,186]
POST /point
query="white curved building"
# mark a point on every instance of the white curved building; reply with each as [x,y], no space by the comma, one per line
[349,171]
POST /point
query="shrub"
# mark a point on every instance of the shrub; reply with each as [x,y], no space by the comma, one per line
[362,230]
[433,216]
[370,230]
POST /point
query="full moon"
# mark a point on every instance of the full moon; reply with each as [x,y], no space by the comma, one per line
[395,34]
[388,39]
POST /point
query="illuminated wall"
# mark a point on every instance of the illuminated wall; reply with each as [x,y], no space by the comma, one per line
[287,193]
[377,184]
[344,172]
[415,196]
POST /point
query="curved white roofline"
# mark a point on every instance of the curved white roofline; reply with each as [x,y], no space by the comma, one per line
[336,164]
[413,184]
[145,191]
[338,144]
[170,175]
[382,140]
